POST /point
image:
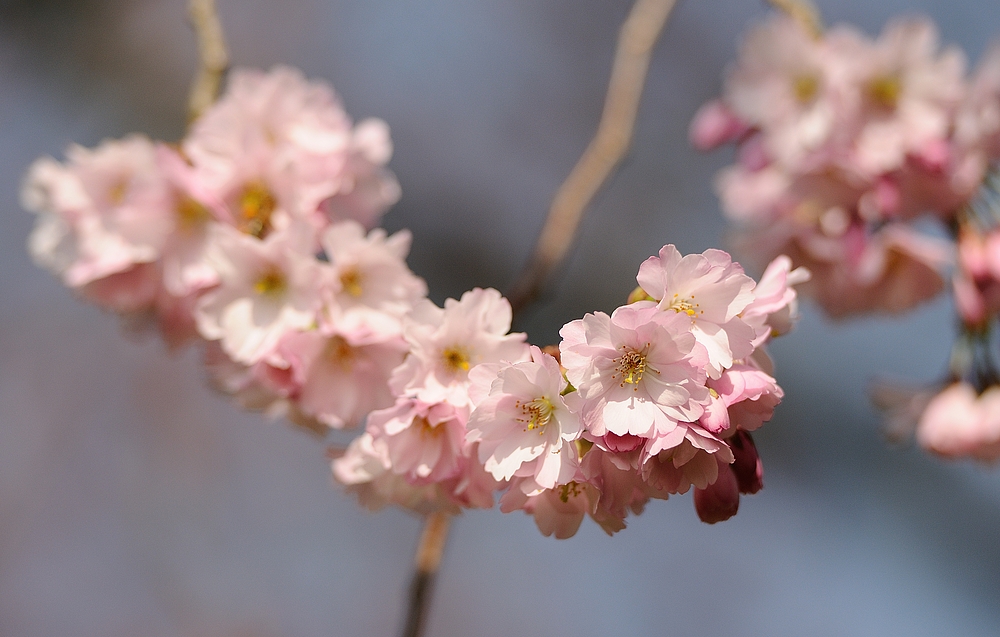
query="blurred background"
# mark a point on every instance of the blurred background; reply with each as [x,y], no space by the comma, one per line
[133,501]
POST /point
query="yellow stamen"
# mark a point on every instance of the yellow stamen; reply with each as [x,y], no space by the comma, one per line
[191,214]
[116,194]
[884,91]
[805,88]
[350,281]
[256,204]
[456,359]
[271,283]
[537,413]
[632,366]
[686,305]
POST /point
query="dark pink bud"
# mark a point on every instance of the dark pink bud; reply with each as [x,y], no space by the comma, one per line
[720,500]
[747,467]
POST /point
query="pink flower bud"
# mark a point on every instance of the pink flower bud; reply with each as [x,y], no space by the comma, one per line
[747,466]
[714,125]
[720,500]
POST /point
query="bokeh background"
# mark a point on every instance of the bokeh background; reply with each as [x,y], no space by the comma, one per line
[133,501]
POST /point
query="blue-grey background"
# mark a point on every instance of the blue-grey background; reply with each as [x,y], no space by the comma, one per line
[133,501]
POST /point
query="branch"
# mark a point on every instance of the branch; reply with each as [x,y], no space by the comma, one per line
[212,55]
[804,11]
[427,561]
[638,35]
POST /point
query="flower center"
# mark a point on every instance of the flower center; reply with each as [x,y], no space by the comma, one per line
[256,204]
[350,281]
[536,414]
[884,91]
[118,190]
[191,214]
[456,359]
[567,491]
[686,305]
[632,366]
[338,351]
[425,427]
[805,88]
[270,283]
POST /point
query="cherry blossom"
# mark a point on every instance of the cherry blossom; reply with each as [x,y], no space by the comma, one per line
[524,426]
[266,288]
[639,371]
[445,343]
[712,291]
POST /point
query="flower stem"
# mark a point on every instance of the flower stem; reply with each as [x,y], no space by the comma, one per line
[213,59]
[638,35]
[427,561]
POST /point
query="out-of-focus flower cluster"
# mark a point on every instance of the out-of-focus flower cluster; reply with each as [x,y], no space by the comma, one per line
[250,234]
[254,236]
[843,142]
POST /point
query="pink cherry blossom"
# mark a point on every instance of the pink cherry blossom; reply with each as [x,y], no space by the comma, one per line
[748,394]
[713,125]
[958,423]
[100,213]
[907,91]
[266,288]
[557,512]
[774,308]
[370,274]
[788,84]
[363,469]
[340,380]
[524,426]
[277,146]
[711,290]
[446,343]
[424,442]
[638,371]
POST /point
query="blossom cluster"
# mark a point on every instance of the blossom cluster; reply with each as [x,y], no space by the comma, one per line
[847,146]
[254,236]
[249,234]
[656,398]
[843,141]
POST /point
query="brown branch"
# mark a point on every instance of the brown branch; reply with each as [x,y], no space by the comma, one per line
[213,59]
[638,35]
[803,11]
[427,561]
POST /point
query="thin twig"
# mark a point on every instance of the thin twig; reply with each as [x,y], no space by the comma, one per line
[213,59]
[427,561]
[804,11]
[638,35]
